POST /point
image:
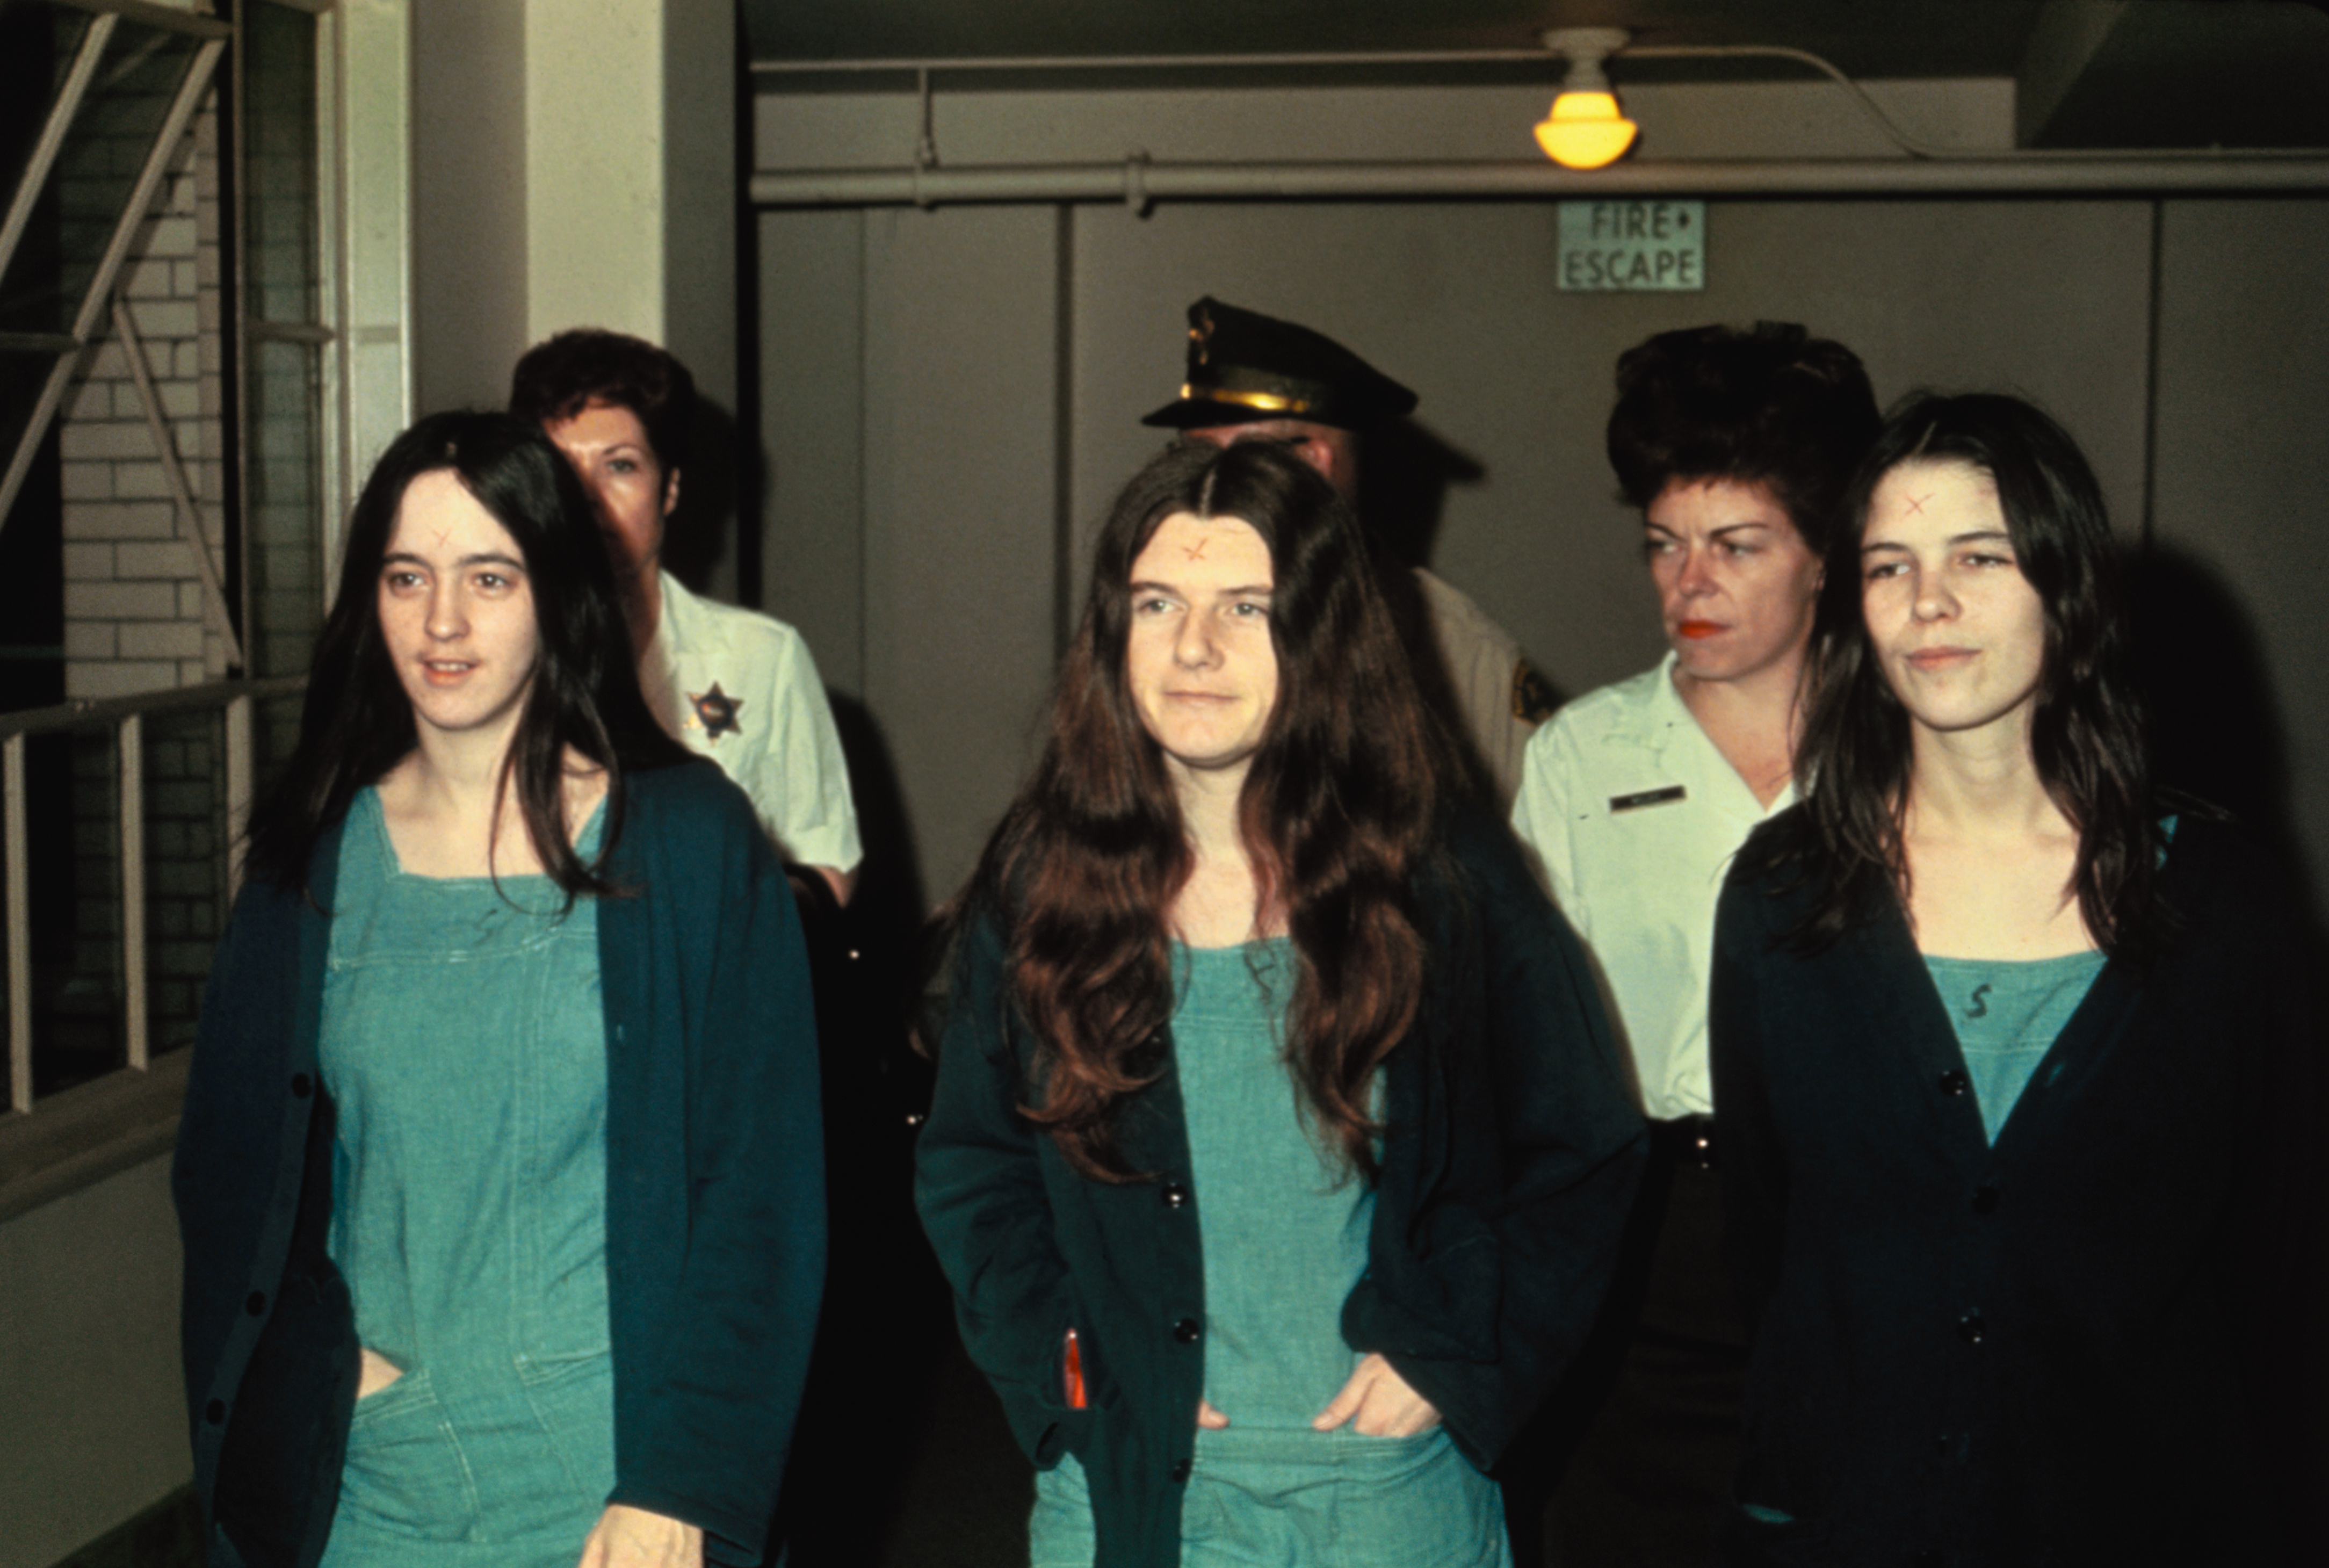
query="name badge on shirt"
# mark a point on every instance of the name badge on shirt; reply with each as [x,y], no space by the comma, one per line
[1646,798]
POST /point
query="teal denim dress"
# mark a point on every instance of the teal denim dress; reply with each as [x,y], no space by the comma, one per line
[464,1046]
[2007,1015]
[1284,1235]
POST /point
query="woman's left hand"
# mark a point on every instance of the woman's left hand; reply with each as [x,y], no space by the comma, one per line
[628,1537]
[1378,1402]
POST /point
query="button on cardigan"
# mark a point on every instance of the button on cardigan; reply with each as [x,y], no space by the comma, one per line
[1509,1161]
[2078,1345]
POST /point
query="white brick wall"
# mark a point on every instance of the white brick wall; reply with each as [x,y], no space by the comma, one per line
[134,615]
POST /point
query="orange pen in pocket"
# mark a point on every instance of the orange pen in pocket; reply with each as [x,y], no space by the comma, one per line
[1074,1364]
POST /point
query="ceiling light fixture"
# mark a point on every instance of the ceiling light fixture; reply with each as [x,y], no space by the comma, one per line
[1585,130]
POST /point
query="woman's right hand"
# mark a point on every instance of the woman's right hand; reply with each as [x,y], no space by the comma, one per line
[378,1373]
[628,1537]
[1208,1418]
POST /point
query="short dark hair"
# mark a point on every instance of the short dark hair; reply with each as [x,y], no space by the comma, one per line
[1771,406]
[2087,727]
[560,376]
[356,721]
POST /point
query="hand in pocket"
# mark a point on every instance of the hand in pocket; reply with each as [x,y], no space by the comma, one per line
[378,1373]
[1378,1402]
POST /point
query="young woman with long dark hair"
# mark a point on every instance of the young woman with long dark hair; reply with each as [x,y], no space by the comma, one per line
[499,1176]
[2002,1045]
[1278,1153]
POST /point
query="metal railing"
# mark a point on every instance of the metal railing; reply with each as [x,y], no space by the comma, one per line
[68,347]
[235,701]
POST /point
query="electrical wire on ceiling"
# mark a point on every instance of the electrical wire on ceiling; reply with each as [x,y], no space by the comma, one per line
[1138,181]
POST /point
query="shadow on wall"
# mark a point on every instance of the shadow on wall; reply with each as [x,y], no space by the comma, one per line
[885,1331]
[723,479]
[889,901]
[2218,733]
[2216,727]
[885,1325]
[1405,474]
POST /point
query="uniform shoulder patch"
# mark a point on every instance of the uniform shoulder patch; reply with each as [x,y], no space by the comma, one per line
[1533,700]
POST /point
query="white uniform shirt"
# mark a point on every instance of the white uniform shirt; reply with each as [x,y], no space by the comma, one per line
[1635,817]
[740,688]
[1486,675]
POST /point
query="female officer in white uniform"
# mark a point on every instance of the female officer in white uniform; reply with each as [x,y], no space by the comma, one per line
[1737,446]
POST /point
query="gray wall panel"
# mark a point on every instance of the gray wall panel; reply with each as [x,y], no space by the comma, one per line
[959,491]
[89,1363]
[812,367]
[961,313]
[468,201]
[2241,516]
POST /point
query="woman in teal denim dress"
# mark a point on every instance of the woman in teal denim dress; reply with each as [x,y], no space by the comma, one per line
[433,1361]
[1277,1155]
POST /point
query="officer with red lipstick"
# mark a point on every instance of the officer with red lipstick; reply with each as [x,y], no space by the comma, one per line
[1737,446]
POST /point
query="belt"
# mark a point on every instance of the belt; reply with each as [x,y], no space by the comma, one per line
[1689,1140]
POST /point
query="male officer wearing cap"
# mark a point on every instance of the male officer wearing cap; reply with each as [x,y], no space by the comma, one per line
[1252,377]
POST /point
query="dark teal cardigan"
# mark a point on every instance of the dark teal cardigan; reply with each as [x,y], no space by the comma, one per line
[715,1199]
[1509,1161]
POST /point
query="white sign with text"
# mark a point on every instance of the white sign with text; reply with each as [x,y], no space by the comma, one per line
[1616,247]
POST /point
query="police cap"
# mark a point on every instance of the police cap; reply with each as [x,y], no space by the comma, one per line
[1244,366]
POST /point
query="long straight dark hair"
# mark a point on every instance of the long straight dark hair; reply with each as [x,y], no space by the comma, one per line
[1337,813]
[2087,728]
[356,723]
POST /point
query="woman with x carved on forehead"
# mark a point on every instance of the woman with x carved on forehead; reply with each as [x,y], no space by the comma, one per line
[2006,1052]
[500,1174]
[1279,1152]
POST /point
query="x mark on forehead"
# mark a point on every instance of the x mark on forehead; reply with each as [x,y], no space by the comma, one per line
[497,558]
[1196,552]
[1916,503]
[1989,536]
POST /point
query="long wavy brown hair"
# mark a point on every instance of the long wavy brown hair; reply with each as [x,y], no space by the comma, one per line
[1337,813]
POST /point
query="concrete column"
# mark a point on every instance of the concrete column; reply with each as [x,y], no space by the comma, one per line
[575,167]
